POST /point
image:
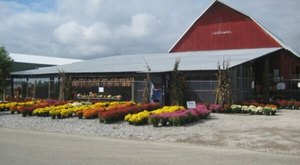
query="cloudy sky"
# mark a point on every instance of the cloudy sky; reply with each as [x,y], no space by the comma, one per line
[88,29]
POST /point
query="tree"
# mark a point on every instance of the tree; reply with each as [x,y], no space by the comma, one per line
[223,91]
[177,87]
[5,69]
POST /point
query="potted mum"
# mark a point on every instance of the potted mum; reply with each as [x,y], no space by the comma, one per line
[79,114]
[154,120]
[245,109]
[53,113]
[273,111]
[236,108]
[266,111]
[252,110]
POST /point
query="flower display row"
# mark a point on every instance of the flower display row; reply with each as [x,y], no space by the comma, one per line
[288,104]
[61,111]
[83,109]
[4,107]
[95,95]
[118,113]
[265,109]
[92,111]
[179,118]
[19,106]
[27,107]
[142,117]
[259,110]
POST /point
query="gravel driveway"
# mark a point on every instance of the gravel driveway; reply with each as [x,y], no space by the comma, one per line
[273,134]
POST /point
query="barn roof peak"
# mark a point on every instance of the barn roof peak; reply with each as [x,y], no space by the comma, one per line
[214,2]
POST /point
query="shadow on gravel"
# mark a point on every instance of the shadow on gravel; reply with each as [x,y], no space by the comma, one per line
[4,113]
[201,121]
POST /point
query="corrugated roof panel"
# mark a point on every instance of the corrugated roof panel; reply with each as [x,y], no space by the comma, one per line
[27,58]
[189,61]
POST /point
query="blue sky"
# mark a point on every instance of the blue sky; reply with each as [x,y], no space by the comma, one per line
[36,5]
[88,29]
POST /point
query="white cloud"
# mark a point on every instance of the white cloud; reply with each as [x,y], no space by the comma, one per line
[141,26]
[69,33]
[72,33]
[79,7]
[97,33]
[88,40]
[93,28]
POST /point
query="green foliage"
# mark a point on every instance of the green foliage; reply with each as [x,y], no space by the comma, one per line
[223,91]
[178,86]
[5,68]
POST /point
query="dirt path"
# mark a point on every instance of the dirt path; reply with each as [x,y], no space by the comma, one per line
[275,134]
[36,148]
[278,134]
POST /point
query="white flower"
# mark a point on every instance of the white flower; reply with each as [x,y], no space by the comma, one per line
[252,108]
[245,108]
[259,109]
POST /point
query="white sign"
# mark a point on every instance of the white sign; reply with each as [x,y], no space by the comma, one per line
[101,89]
[280,86]
[221,32]
[252,84]
[191,104]
[298,84]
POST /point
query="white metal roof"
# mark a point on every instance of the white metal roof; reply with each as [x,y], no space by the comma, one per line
[189,61]
[279,41]
[34,59]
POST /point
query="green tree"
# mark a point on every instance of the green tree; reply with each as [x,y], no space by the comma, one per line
[5,69]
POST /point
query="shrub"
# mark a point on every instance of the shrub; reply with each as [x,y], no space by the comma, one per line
[236,108]
[245,109]
[266,110]
[215,107]
[290,104]
[119,113]
[178,118]
[140,118]
[282,103]
[297,104]
[226,108]
[90,113]
[154,120]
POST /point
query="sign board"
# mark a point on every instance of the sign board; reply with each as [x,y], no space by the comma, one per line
[280,86]
[298,84]
[101,89]
[191,104]
[252,84]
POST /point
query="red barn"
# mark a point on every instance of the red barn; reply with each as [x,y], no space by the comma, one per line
[221,27]
[260,63]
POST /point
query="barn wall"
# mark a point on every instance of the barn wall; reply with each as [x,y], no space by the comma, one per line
[222,27]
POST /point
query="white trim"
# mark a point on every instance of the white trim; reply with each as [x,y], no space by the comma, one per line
[36,59]
[279,41]
[192,25]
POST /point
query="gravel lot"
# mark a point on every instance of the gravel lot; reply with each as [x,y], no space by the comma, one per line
[273,134]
